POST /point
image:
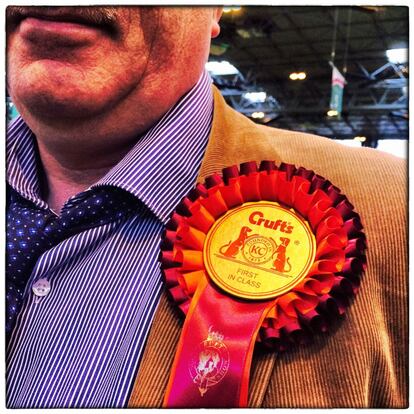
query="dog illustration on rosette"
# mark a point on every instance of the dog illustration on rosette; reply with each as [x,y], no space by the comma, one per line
[232,248]
[281,260]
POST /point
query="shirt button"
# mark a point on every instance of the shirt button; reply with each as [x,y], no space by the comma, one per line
[41,287]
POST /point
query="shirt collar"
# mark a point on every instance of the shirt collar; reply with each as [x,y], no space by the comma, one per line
[159,170]
[22,162]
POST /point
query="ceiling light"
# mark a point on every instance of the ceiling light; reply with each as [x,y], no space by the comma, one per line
[360,138]
[297,76]
[218,49]
[231,9]
[255,97]
[372,9]
[397,55]
[258,115]
[221,68]
[332,112]
[244,33]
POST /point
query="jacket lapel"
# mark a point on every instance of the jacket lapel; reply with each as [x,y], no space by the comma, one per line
[233,140]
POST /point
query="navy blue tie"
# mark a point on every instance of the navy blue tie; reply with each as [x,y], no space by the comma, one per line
[31,231]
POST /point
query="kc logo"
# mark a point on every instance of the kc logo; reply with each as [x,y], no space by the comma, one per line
[258,250]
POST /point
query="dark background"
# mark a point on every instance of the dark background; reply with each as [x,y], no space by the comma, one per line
[267,43]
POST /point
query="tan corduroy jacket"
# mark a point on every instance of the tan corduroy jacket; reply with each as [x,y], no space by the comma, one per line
[364,362]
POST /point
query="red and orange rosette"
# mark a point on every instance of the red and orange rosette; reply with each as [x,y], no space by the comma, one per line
[311,306]
[333,280]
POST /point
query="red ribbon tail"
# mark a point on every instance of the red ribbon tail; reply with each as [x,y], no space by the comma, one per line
[212,364]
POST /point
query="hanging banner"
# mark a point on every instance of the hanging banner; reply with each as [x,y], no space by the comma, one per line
[337,91]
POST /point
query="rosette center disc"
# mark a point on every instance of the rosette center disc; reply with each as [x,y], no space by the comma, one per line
[259,250]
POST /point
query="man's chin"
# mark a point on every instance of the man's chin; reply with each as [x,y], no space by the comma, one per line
[51,100]
[54,109]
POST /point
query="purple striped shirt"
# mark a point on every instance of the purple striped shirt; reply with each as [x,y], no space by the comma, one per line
[81,345]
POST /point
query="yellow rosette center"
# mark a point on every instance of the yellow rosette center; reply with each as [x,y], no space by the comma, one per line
[259,250]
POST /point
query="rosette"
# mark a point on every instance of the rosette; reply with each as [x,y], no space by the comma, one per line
[332,279]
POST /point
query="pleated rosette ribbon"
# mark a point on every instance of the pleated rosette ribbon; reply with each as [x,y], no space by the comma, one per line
[310,307]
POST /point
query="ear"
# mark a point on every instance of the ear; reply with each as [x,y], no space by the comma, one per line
[215,27]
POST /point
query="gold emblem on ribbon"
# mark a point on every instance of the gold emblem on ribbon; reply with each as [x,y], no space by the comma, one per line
[211,362]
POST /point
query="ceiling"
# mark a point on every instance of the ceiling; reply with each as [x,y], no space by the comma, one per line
[267,43]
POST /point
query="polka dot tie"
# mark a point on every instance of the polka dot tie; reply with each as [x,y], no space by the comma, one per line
[31,231]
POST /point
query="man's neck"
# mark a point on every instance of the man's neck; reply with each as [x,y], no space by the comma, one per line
[59,188]
[66,177]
